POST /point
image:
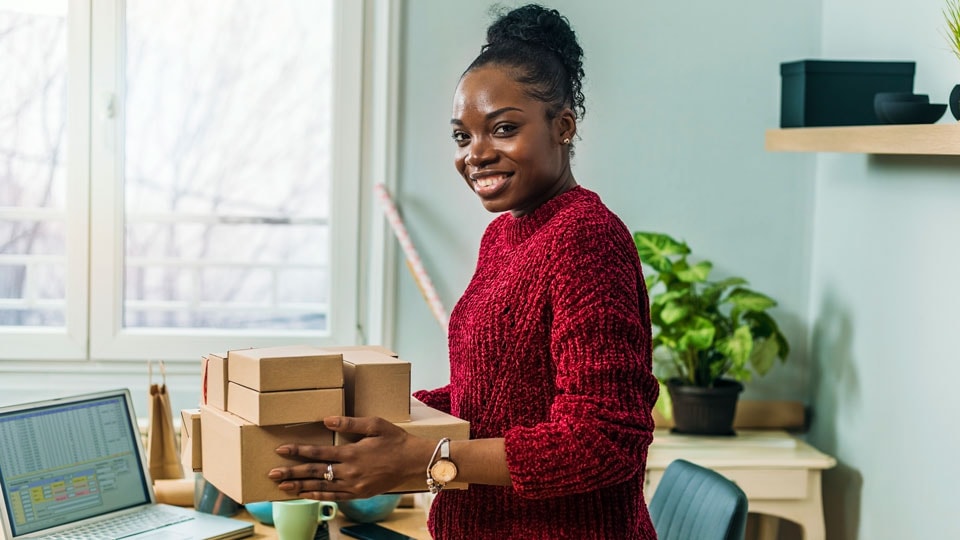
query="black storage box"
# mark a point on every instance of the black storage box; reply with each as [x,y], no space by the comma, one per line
[837,93]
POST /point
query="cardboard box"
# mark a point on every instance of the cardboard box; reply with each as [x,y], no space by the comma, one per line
[191,456]
[430,424]
[836,92]
[375,384]
[286,407]
[237,455]
[291,367]
[215,381]
[375,348]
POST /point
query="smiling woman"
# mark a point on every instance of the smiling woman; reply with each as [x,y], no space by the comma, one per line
[549,346]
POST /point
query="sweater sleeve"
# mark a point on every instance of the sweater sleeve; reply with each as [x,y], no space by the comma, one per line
[438,399]
[600,422]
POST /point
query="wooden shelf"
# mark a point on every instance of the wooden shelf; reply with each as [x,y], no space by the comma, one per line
[919,139]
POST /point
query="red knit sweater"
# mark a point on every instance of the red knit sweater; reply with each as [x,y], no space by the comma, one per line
[550,349]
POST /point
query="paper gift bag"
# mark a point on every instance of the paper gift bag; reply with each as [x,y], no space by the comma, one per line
[162,454]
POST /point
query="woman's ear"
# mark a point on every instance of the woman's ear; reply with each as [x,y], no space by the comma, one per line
[565,125]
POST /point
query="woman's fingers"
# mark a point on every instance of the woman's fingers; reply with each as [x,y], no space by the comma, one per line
[303,471]
[367,426]
[308,451]
[354,470]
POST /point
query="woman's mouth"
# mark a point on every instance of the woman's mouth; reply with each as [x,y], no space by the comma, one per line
[488,185]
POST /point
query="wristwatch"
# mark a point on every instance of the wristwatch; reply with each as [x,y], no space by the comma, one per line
[442,470]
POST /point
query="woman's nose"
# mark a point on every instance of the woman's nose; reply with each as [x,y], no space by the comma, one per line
[480,153]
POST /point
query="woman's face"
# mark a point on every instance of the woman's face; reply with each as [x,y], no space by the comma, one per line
[509,153]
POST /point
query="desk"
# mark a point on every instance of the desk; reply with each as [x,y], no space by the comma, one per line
[779,473]
[409,521]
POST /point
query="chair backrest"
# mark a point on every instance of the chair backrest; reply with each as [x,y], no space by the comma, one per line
[695,503]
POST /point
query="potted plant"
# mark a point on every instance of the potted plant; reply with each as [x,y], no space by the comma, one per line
[709,336]
[951,13]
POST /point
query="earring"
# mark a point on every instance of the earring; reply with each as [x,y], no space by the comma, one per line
[566,140]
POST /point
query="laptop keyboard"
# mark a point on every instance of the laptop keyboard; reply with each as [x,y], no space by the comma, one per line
[122,526]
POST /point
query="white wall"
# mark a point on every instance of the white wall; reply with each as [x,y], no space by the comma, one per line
[883,301]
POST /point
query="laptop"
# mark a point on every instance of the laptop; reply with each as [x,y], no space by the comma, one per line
[74,468]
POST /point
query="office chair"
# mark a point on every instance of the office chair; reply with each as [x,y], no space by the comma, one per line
[695,503]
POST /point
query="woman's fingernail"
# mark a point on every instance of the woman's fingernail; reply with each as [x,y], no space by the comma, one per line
[285,486]
[275,475]
[284,451]
[333,421]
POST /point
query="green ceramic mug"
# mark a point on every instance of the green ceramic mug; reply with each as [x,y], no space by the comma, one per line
[298,519]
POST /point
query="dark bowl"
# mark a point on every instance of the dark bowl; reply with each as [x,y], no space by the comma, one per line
[902,112]
[900,97]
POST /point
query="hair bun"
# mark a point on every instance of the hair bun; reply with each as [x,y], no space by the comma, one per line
[538,26]
[534,27]
[543,48]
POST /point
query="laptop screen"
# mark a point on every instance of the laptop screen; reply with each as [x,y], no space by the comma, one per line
[69,460]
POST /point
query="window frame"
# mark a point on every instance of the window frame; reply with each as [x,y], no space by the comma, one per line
[68,342]
[365,79]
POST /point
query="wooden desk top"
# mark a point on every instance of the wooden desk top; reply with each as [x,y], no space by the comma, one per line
[409,521]
[748,449]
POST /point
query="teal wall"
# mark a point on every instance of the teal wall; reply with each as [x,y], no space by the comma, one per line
[677,105]
[859,250]
[884,295]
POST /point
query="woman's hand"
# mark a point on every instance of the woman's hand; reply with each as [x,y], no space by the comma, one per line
[382,459]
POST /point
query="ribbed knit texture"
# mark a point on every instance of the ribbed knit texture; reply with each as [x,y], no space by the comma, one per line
[550,349]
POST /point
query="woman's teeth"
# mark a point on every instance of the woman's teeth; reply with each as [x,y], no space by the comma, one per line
[489,181]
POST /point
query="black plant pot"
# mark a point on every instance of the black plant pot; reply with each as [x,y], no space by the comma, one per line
[955,102]
[704,411]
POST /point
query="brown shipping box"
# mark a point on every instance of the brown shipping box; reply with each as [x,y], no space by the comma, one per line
[215,381]
[430,424]
[290,367]
[237,455]
[190,443]
[375,348]
[375,384]
[287,407]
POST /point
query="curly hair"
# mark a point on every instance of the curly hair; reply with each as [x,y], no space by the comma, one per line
[541,45]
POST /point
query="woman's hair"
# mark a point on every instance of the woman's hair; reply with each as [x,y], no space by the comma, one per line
[542,47]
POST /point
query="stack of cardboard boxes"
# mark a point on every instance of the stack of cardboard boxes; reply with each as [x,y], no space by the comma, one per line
[254,400]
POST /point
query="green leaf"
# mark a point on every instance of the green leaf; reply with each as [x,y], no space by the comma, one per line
[747,300]
[738,346]
[764,352]
[656,249]
[673,312]
[764,326]
[667,297]
[699,335]
[697,273]
[712,291]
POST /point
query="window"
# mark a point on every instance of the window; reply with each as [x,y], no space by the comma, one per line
[178,177]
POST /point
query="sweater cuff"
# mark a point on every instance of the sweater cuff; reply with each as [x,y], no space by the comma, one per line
[438,399]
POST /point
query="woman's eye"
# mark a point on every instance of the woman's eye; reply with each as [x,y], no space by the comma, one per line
[459,137]
[505,129]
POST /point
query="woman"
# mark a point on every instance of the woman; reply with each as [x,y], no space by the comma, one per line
[550,342]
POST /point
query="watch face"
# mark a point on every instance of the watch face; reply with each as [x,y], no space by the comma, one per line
[443,471]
